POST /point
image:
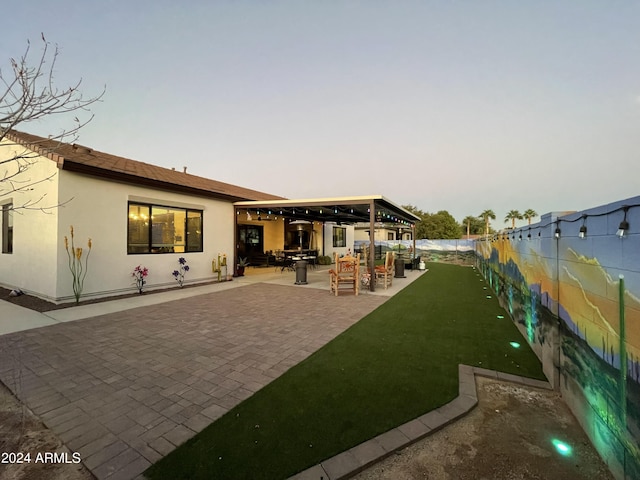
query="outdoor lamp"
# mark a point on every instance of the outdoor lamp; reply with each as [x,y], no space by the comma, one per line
[583,231]
[624,225]
[557,234]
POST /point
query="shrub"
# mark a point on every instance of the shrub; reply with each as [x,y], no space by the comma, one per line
[324,260]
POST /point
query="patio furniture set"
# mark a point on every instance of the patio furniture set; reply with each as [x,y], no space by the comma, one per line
[346,276]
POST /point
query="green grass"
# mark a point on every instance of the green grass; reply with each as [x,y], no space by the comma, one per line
[395,364]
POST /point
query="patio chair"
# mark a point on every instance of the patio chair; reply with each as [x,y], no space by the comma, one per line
[384,273]
[283,262]
[346,275]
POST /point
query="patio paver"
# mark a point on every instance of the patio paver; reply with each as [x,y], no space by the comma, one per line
[125,388]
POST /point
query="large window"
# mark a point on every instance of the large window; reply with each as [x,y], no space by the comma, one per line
[160,229]
[7,228]
[339,237]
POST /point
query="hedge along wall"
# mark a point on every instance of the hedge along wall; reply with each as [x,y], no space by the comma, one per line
[576,299]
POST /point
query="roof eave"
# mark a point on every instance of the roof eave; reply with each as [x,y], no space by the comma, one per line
[71,166]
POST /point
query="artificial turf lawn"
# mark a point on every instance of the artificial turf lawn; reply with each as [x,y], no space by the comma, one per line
[397,363]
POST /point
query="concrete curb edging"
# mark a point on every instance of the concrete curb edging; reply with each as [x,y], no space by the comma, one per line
[353,461]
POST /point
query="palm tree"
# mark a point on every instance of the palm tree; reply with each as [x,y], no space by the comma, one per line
[529,214]
[467,222]
[513,215]
[486,215]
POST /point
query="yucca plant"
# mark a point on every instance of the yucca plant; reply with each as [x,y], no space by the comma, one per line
[75,264]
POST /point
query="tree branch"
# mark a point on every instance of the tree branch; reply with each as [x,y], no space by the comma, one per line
[29,93]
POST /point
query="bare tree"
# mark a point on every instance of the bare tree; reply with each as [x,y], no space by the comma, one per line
[28,93]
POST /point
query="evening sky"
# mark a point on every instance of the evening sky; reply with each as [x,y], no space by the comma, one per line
[460,105]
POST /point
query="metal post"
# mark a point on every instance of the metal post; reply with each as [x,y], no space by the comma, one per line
[235,242]
[372,243]
[623,357]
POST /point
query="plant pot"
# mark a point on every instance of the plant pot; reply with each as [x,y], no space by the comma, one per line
[240,271]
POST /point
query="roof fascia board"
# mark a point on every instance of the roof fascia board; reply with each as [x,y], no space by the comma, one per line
[401,209]
[71,166]
[311,202]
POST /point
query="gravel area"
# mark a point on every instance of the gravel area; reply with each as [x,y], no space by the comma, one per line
[22,432]
[508,436]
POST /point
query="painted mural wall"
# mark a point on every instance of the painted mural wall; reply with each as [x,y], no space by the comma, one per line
[458,251]
[572,283]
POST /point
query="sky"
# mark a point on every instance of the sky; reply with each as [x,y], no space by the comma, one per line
[461,106]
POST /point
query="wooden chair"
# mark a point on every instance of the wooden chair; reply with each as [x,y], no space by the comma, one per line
[384,273]
[346,275]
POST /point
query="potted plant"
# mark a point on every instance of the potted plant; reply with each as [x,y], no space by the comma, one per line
[242,263]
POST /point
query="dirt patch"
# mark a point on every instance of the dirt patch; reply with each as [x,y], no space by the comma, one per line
[21,432]
[508,436]
[39,305]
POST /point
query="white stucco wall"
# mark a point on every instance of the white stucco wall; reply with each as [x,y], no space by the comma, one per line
[381,234]
[99,210]
[32,265]
[329,249]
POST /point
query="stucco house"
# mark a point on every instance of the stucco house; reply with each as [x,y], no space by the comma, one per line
[135,213]
[141,214]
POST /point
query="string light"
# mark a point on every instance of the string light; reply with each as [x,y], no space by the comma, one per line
[624,225]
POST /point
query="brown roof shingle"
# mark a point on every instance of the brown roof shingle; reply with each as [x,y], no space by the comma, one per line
[85,160]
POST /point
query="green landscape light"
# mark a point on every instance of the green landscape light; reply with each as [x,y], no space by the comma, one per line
[563,448]
[514,344]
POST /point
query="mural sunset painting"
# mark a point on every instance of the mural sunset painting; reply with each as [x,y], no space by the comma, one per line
[572,284]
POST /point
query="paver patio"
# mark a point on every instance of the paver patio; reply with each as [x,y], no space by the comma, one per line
[126,388]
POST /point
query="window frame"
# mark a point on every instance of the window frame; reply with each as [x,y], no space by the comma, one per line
[339,239]
[150,247]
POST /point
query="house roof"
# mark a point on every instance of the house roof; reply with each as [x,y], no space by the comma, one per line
[81,159]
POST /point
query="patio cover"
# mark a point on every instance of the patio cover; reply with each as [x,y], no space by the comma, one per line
[343,210]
